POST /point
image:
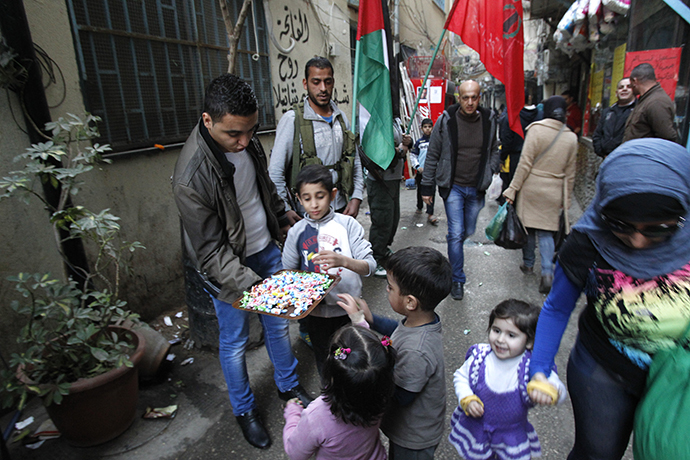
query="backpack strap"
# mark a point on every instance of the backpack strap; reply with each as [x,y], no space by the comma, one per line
[302,142]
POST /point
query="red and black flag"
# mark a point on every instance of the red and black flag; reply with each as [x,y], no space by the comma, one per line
[493,28]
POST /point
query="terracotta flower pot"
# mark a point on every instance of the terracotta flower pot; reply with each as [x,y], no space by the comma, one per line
[99,409]
[157,348]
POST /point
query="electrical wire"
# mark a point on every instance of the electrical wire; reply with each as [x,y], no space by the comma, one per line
[47,64]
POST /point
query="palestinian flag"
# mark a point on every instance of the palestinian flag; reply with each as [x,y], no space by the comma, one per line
[372,80]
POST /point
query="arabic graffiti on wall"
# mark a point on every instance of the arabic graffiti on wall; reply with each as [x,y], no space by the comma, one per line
[288,68]
[290,26]
[287,94]
[288,89]
[293,25]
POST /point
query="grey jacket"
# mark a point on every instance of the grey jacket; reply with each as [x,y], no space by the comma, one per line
[213,227]
[328,139]
[333,232]
[441,156]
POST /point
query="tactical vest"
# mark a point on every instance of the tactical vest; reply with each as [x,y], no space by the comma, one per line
[304,152]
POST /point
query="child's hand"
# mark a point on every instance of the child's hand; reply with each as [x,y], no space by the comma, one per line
[353,306]
[541,391]
[329,259]
[472,406]
[294,401]
[475,409]
[365,309]
[348,303]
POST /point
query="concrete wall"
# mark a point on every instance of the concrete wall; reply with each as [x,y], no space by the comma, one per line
[421,24]
[301,31]
[137,188]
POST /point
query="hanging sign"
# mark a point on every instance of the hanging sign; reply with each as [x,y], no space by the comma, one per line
[618,71]
[665,62]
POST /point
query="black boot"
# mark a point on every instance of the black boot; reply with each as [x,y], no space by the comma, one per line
[253,430]
[297,392]
[545,285]
[457,291]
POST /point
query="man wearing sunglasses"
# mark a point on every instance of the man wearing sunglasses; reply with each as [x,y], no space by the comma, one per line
[232,218]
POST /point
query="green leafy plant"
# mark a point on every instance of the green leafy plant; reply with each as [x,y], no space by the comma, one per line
[67,336]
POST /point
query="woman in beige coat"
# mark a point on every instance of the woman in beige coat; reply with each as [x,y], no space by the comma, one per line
[543,184]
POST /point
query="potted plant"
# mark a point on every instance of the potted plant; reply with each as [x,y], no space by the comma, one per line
[70,341]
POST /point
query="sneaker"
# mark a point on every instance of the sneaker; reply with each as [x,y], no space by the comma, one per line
[380,272]
[457,291]
[305,338]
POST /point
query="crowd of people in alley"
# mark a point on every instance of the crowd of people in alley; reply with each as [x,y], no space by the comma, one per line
[246,216]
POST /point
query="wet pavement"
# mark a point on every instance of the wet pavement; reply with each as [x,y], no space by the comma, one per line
[204,426]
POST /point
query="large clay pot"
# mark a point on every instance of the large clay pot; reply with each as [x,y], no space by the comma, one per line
[157,348]
[99,409]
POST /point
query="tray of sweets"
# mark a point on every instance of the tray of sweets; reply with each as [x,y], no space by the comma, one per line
[290,294]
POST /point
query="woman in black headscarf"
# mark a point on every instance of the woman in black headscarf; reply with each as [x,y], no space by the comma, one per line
[630,254]
[544,179]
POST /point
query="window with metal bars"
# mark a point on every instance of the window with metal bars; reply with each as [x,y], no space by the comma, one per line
[144,64]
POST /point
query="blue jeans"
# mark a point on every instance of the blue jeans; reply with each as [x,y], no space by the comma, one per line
[546,250]
[233,325]
[603,407]
[462,209]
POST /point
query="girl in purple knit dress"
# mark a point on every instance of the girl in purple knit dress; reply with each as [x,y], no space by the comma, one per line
[490,421]
[343,423]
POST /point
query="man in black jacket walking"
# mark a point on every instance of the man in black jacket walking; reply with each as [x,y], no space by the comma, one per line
[609,133]
[511,142]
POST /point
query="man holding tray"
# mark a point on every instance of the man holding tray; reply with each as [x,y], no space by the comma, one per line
[231,217]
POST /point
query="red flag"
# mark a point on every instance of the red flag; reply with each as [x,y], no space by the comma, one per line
[370,18]
[493,28]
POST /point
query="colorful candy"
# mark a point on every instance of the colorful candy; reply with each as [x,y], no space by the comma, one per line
[284,290]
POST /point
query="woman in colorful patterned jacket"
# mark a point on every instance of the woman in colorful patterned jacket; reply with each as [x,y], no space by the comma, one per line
[630,254]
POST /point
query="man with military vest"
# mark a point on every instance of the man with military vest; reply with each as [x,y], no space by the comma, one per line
[315,131]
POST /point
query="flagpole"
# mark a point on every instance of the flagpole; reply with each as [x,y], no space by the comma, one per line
[354,91]
[426,77]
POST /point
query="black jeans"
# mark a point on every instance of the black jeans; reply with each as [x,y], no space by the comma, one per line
[604,409]
[384,209]
[320,332]
[420,203]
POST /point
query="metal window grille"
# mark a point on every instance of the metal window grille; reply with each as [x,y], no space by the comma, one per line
[144,64]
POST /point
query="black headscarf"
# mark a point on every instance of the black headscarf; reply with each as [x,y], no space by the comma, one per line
[554,107]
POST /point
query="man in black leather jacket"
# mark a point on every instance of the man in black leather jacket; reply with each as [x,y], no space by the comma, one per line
[232,217]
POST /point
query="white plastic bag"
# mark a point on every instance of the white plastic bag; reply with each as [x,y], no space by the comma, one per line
[495,189]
